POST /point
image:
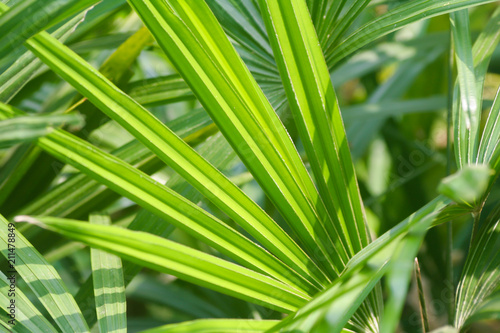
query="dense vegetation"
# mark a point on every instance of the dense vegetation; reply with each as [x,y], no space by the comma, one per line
[249,166]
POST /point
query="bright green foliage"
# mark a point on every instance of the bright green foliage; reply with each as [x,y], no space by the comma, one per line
[217,326]
[192,265]
[109,286]
[315,109]
[276,166]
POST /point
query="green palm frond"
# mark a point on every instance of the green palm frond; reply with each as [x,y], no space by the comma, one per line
[242,165]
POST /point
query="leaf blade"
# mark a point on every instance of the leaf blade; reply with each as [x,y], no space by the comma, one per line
[216,326]
[109,286]
[165,203]
[45,282]
[26,18]
[26,313]
[316,112]
[28,128]
[466,115]
[172,258]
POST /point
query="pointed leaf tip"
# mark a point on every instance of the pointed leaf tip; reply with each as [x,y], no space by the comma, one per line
[468,185]
[27,218]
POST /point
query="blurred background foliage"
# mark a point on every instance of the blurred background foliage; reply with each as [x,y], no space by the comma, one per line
[393,96]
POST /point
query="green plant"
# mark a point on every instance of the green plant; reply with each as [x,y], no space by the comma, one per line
[266,217]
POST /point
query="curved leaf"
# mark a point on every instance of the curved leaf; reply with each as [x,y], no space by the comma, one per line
[191,265]
[330,310]
[407,13]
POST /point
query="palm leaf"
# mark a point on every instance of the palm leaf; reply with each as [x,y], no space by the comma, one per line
[491,133]
[80,194]
[316,112]
[487,310]
[27,18]
[314,105]
[40,166]
[160,90]
[144,221]
[163,201]
[26,314]
[173,151]
[399,275]
[468,186]
[216,153]
[216,326]
[331,309]
[109,289]
[241,21]
[28,128]
[394,19]
[483,49]
[196,44]
[480,278]
[336,28]
[43,280]
[14,78]
[466,115]
[172,258]
[167,204]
